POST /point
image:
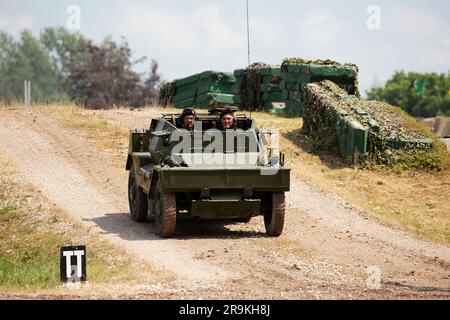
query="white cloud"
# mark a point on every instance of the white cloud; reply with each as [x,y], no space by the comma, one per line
[321,29]
[438,59]
[414,23]
[411,39]
[170,33]
[191,41]
[207,36]
[14,25]
[446,41]
[424,34]
[263,33]
[217,34]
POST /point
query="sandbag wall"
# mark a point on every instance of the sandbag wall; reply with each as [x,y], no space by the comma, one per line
[202,90]
[357,129]
[262,87]
[282,89]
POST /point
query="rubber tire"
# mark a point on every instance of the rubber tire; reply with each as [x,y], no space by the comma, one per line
[137,199]
[165,212]
[274,214]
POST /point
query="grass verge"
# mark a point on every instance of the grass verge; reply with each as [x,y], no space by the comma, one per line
[32,230]
[414,200]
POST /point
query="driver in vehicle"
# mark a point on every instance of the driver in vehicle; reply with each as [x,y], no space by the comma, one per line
[188,118]
[227,120]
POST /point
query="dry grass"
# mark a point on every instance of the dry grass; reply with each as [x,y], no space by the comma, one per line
[87,121]
[416,201]
[91,123]
[32,230]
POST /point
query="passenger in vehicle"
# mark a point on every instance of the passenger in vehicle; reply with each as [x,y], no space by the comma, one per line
[227,120]
[188,118]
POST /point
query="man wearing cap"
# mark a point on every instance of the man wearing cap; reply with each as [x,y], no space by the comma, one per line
[188,118]
[227,120]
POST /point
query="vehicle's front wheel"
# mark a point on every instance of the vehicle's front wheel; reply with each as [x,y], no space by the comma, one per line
[137,199]
[165,212]
[274,211]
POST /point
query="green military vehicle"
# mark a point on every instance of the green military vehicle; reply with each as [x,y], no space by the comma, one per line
[175,174]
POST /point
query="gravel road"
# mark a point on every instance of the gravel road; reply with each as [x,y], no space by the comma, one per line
[329,250]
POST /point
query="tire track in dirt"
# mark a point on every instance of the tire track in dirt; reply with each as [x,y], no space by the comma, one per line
[326,244]
[342,234]
[43,163]
[339,215]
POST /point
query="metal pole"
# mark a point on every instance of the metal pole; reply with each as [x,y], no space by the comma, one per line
[25,92]
[248,36]
[248,51]
[29,92]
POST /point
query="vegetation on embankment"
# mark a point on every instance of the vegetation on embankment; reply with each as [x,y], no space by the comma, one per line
[32,230]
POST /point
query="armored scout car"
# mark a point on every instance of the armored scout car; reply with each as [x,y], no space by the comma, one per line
[230,175]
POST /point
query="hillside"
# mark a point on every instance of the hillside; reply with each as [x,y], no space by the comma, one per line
[339,222]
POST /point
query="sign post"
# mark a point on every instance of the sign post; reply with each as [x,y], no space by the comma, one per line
[73,264]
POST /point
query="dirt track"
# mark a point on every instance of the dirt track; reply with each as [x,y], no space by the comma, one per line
[324,252]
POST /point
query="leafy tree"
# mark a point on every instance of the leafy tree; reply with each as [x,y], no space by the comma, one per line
[13,68]
[101,76]
[27,60]
[43,76]
[149,90]
[421,95]
[59,44]
[63,65]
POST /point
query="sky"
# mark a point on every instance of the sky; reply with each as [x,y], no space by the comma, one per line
[191,36]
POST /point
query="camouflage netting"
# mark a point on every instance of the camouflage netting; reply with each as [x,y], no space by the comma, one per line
[287,61]
[250,87]
[166,93]
[327,62]
[390,136]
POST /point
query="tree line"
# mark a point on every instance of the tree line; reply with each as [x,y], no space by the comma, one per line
[419,94]
[64,66]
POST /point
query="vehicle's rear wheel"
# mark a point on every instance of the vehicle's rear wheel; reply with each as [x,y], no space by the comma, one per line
[165,211]
[274,211]
[137,199]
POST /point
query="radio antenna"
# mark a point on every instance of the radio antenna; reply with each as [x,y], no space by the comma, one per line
[248,35]
[248,49]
